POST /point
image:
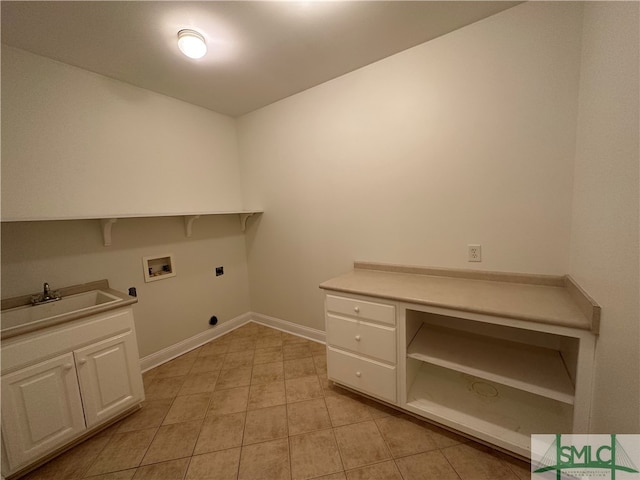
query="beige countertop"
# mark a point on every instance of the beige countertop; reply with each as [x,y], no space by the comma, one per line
[103,285]
[555,300]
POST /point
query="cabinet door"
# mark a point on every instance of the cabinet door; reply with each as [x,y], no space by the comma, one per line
[109,376]
[41,409]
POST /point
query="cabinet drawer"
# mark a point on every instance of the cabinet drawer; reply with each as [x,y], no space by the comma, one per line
[377,341]
[378,312]
[367,376]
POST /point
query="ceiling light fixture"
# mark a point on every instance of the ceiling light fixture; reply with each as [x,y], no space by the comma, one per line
[192,43]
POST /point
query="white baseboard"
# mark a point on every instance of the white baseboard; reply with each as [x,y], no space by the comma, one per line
[289,327]
[180,348]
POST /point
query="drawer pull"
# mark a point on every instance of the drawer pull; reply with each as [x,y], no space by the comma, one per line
[356,309]
[357,338]
[67,366]
[358,374]
[82,361]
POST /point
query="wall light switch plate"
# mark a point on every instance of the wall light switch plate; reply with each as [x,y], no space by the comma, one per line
[475,253]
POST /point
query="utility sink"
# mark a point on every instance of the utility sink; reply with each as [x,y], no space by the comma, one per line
[81,303]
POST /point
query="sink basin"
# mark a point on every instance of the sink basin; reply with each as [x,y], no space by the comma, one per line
[73,304]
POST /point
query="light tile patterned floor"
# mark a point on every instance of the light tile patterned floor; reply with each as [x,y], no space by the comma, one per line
[256,404]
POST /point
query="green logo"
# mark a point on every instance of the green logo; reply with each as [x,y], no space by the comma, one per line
[586,459]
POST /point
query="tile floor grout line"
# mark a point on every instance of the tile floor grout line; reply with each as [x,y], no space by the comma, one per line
[198,436]
[449,462]
[173,400]
[386,443]
[344,468]
[190,458]
[244,426]
[88,468]
[286,412]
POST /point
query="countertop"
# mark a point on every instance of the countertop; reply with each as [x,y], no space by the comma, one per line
[103,285]
[555,300]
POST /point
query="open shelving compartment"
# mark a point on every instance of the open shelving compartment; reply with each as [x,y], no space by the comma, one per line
[499,383]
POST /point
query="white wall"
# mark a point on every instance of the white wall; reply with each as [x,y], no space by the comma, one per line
[468,138]
[71,252]
[604,238]
[79,144]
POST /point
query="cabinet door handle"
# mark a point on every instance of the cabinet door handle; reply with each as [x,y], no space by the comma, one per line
[67,366]
[356,309]
[358,374]
[357,338]
[82,361]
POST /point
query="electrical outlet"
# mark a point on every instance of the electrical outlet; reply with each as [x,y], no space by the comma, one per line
[475,253]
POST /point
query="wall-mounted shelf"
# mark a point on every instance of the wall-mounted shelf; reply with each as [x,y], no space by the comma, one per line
[190,219]
[107,221]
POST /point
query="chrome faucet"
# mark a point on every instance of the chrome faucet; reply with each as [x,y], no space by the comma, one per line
[46,296]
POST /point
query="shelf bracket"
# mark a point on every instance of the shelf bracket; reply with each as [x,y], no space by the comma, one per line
[188,224]
[106,224]
[243,219]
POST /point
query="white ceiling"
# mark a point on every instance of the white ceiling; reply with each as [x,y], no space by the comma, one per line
[259,52]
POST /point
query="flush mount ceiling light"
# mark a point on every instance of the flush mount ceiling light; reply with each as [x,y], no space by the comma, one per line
[192,43]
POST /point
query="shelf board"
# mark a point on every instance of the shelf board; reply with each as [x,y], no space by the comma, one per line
[507,417]
[107,221]
[536,370]
[131,215]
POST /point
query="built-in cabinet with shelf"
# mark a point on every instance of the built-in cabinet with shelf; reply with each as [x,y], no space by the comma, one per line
[63,382]
[494,377]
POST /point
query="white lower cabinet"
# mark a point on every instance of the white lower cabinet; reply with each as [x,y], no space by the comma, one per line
[496,379]
[61,382]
